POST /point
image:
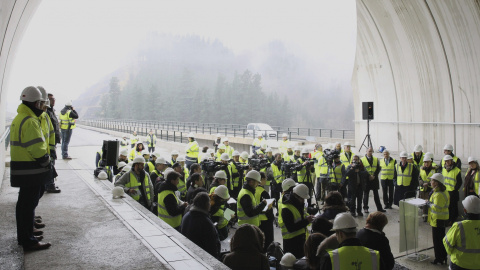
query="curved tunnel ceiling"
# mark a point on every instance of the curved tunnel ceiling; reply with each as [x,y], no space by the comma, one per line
[418,61]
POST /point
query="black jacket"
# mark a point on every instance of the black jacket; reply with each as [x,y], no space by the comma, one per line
[379,242]
[56,126]
[197,226]
[171,204]
[247,204]
[350,178]
[192,192]
[73,113]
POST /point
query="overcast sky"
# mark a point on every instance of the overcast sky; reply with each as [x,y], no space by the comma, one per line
[71,44]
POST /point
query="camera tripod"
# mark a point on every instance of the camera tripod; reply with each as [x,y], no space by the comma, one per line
[367,138]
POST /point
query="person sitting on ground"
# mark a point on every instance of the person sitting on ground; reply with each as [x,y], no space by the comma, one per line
[198,228]
[334,204]
[246,250]
[373,237]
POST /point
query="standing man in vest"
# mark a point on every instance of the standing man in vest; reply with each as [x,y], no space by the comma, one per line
[283,145]
[169,208]
[306,173]
[50,187]
[151,141]
[294,220]
[373,168]
[67,124]
[426,171]
[257,143]
[30,167]
[192,150]
[321,170]
[351,254]
[417,156]
[137,183]
[347,154]
[448,151]
[407,177]
[278,177]
[462,241]
[134,138]
[388,176]
[228,149]
[453,182]
[247,208]
[337,174]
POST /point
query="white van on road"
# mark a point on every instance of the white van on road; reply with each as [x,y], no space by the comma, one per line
[254,129]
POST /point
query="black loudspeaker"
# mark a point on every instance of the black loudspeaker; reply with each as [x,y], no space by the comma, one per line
[367,110]
[110,152]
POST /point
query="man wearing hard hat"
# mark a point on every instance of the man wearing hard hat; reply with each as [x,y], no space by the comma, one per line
[462,241]
[407,179]
[453,182]
[472,178]
[134,138]
[67,124]
[417,156]
[247,208]
[351,254]
[137,183]
[257,143]
[217,141]
[160,166]
[283,144]
[346,156]
[448,150]
[192,150]
[294,219]
[228,149]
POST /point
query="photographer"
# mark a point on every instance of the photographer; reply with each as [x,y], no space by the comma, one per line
[322,183]
[305,172]
[356,178]
[372,166]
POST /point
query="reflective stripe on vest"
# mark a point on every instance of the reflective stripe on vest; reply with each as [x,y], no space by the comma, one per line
[65,120]
[450,178]
[296,218]
[370,168]
[277,174]
[354,257]
[242,217]
[438,209]
[258,199]
[387,171]
[222,221]
[173,221]
[404,178]
[466,245]
[134,184]
[424,176]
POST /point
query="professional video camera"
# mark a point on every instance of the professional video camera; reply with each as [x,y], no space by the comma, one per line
[310,161]
[241,167]
[258,163]
[288,168]
[211,166]
[329,156]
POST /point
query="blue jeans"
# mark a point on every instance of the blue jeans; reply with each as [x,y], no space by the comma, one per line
[66,135]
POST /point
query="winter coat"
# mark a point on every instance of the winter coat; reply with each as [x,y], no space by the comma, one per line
[351,178]
[330,212]
[377,240]
[197,226]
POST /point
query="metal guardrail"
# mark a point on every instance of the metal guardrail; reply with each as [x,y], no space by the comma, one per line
[6,137]
[171,130]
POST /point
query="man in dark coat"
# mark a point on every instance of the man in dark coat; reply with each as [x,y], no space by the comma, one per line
[50,187]
[356,179]
[199,228]
[372,166]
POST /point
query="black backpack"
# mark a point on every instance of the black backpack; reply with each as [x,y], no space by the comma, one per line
[275,254]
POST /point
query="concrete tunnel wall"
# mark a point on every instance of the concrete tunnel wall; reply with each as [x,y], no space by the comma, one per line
[418,61]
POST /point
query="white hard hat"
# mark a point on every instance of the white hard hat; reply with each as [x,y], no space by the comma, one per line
[224,139]
[121,164]
[297,148]
[160,160]
[302,191]
[219,135]
[236,153]
[403,154]
[130,163]
[167,171]
[124,152]
[448,147]
[260,135]
[126,168]
[44,93]
[68,103]
[269,150]
[409,157]
[253,174]
[347,144]
[428,157]
[222,192]
[244,155]
[175,152]
[210,151]
[447,157]
[222,146]
[344,221]
[439,177]
[305,150]
[156,154]
[287,184]
[145,152]
[102,175]
[290,145]
[284,135]
[418,148]
[224,157]
[220,175]
[31,94]
[472,204]
[472,159]
[117,192]
[181,158]
[288,260]
[138,159]
[191,135]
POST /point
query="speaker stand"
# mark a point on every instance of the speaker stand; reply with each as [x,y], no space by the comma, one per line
[367,138]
